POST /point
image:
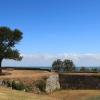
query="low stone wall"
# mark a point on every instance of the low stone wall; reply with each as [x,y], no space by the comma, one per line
[68,81]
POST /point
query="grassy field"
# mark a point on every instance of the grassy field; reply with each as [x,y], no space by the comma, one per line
[8,94]
[26,76]
[77,94]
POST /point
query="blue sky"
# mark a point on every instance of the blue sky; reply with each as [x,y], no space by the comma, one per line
[53,28]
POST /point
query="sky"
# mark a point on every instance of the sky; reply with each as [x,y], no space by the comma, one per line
[64,29]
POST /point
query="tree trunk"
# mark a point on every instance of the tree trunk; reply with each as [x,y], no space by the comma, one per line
[0,66]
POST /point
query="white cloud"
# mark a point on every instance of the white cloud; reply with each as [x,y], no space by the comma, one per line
[47,59]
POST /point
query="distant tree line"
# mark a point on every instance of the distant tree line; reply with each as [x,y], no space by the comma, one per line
[86,69]
[69,66]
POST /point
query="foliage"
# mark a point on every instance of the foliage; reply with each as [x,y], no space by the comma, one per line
[8,39]
[40,84]
[63,66]
[84,69]
[57,64]
[37,86]
[17,85]
[94,70]
[68,65]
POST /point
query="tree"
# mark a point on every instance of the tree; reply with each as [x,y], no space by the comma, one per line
[68,65]
[63,66]
[94,69]
[8,39]
[57,64]
[84,69]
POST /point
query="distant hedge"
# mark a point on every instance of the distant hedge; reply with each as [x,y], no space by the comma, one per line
[68,81]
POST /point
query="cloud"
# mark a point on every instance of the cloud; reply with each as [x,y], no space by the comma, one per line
[47,59]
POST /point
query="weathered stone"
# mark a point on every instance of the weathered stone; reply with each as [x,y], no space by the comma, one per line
[52,83]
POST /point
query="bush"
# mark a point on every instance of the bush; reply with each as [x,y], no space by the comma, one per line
[37,86]
[40,84]
[17,85]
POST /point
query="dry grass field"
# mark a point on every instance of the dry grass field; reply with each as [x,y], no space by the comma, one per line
[24,74]
[77,95]
[9,94]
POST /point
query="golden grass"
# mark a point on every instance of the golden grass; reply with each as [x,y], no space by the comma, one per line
[75,94]
[8,94]
[24,74]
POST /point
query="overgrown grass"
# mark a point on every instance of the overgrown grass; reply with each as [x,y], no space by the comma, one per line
[8,94]
[94,98]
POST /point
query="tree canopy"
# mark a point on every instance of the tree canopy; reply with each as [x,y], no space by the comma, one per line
[63,66]
[8,39]
[57,64]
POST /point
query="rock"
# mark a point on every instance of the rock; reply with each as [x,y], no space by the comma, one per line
[52,83]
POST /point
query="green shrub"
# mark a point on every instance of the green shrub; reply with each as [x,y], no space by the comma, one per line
[17,85]
[40,84]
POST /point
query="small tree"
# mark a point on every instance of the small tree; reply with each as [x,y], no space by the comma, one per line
[63,66]
[94,70]
[57,64]
[68,65]
[84,69]
[8,39]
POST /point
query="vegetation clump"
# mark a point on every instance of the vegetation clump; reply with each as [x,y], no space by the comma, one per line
[69,66]
[63,66]
[40,85]
[37,86]
[18,85]
[8,39]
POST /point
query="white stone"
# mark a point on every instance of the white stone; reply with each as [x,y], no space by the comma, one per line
[52,83]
